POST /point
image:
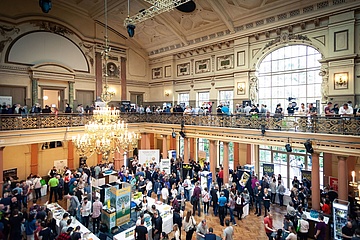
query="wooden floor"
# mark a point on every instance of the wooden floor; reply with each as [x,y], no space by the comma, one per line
[251,228]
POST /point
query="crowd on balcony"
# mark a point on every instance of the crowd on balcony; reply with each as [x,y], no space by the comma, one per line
[330,110]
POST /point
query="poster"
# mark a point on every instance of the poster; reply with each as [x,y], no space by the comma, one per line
[268,169]
[201,158]
[11,173]
[186,170]
[306,175]
[334,183]
[244,179]
[172,154]
[60,164]
[165,165]
[6,100]
[149,156]
[121,199]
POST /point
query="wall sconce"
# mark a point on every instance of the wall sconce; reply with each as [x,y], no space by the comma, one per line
[167,93]
[241,88]
[341,80]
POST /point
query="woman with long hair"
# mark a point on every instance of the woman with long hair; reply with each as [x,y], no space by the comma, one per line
[51,222]
[37,186]
[176,232]
[189,225]
[292,235]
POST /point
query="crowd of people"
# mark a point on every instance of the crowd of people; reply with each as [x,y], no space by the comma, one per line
[227,201]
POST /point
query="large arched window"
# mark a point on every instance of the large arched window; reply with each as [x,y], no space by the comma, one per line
[290,72]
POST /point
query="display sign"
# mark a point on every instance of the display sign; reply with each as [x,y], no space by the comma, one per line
[60,164]
[172,154]
[201,158]
[6,100]
[121,199]
[186,170]
[11,173]
[305,174]
[146,157]
[244,179]
[268,169]
[334,183]
[165,165]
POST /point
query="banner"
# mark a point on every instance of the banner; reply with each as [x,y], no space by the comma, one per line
[201,158]
[186,170]
[268,169]
[334,183]
[165,166]
[60,164]
[11,173]
[149,156]
[120,200]
[172,154]
[305,174]
[244,179]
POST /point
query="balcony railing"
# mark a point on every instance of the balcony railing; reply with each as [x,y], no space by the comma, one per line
[330,125]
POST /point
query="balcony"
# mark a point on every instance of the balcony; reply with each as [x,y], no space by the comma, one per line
[327,125]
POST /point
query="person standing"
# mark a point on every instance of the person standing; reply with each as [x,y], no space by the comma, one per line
[304,227]
[228,231]
[25,193]
[266,199]
[206,200]
[157,226]
[196,196]
[268,224]
[231,205]
[85,211]
[201,230]
[220,179]
[320,228]
[215,198]
[37,187]
[96,215]
[141,231]
[177,219]
[281,191]
[273,190]
[189,225]
[222,202]
[53,184]
[258,198]
[60,186]
[210,235]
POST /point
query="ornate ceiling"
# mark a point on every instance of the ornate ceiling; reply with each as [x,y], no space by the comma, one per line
[175,27]
[210,19]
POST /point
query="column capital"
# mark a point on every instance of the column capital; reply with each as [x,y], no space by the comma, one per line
[2,148]
[342,157]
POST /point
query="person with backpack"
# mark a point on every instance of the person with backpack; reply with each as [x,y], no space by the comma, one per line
[232,205]
[206,200]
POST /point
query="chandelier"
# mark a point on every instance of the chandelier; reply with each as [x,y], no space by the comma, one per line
[105,133]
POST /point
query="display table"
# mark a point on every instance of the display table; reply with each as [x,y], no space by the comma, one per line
[58,212]
[312,225]
[128,234]
[165,213]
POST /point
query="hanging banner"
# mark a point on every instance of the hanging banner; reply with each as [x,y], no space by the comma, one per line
[146,157]
[305,174]
[268,169]
[120,200]
[334,183]
[165,166]
[10,173]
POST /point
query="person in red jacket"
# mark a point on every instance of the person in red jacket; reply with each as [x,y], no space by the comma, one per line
[325,208]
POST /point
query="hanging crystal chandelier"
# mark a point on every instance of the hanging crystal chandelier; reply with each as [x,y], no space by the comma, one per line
[105,133]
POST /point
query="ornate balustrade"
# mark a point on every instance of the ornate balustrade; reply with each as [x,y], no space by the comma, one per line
[333,125]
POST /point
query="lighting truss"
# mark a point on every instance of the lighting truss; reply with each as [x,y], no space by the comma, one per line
[158,7]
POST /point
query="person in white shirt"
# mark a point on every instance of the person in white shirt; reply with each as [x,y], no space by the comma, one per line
[187,110]
[149,187]
[346,110]
[165,194]
[247,109]
[304,227]
[85,211]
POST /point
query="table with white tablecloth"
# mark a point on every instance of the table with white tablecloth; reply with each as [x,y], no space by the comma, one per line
[58,212]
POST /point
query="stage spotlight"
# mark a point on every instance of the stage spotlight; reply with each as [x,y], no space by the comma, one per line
[288,147]
[131,30]
[173,134]
[182,134]
[45,5]
[263,130]
[308,146]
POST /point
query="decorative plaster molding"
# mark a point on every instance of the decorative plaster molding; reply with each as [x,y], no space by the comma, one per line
[285,37]
[52,27]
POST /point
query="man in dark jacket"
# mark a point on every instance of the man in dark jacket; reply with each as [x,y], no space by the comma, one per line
[214,199]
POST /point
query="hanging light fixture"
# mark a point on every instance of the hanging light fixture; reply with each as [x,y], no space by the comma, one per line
[105,133]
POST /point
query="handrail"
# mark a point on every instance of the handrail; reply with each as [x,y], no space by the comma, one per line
[296,123]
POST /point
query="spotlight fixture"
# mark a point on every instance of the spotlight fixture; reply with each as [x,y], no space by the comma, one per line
[45,5]
[308,146]
[263,130]
[173,134]
[130,30]
[288,147]
[182,134]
